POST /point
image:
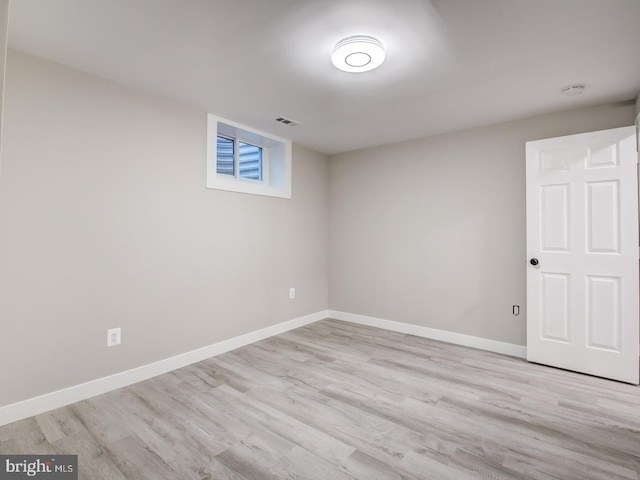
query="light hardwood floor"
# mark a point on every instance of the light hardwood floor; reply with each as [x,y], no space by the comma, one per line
[335,400]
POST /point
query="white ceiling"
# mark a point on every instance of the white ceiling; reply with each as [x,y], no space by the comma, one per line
[451,64]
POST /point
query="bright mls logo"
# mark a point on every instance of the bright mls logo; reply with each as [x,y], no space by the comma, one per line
[43,467]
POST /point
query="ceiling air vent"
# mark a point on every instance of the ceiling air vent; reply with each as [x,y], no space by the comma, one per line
[573,90]
[287,121]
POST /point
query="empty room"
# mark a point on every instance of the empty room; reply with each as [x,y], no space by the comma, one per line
[319,239]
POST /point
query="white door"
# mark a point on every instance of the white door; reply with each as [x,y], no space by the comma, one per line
[582,247]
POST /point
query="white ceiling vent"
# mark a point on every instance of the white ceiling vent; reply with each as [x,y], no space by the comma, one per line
[573,90]
[288,121]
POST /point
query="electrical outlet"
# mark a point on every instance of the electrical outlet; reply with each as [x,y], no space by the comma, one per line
[292,293]
[516,310]
[114,337]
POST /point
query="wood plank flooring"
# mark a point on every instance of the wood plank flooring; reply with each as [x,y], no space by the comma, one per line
[335,400]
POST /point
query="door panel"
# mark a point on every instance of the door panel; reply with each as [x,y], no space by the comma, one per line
[554,220]
[605,155]
[555,307]
[603,312]
[603,217]
[582,227]
[554,160]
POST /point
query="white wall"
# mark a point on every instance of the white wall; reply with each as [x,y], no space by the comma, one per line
[431,232]
[106,222]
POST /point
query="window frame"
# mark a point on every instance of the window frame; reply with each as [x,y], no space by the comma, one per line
[276,160]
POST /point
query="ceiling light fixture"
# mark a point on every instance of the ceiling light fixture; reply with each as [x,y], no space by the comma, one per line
[358,54]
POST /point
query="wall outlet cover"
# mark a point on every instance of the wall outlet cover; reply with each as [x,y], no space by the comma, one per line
[114,337]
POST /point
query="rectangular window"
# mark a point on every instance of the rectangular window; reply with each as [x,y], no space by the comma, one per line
[240,159]
[233,156]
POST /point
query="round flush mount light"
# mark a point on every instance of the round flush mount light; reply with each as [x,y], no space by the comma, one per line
[573,90]
[358,54]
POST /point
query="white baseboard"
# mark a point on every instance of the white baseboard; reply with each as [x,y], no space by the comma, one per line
[60,398]
[442,335]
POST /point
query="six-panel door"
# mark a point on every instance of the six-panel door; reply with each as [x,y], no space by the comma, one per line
[582,227]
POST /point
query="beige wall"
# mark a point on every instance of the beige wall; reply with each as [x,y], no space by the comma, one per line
[432,232]
[4,32]
[105,222]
